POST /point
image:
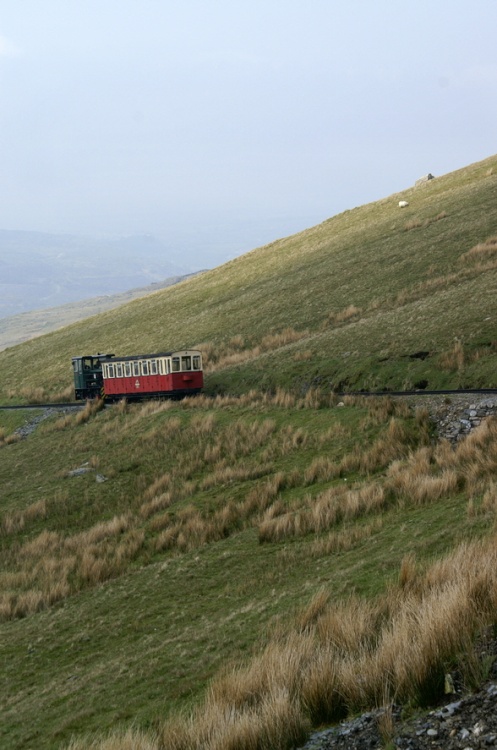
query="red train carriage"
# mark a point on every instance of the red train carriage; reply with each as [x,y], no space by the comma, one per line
[168,374]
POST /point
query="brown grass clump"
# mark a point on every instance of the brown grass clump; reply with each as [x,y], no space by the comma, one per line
[400,647]
[237,350]
[132,739]
[16,521]
[345,538]
[416,223]
[412,224]
[286,336]
[283,398]
[453,359]
[303,356]
[345,315]
[9,439]
[482,251]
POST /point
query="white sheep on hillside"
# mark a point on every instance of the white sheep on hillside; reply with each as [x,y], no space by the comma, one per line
[403,204]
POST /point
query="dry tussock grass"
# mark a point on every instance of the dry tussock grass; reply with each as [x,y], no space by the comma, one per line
[412,477]
[50,567]
[412,224]
[345,539]
[482,251]
[400,646]
[415,223]
[237,350]
[225,474]
[156,504]
[351,312]
[89,411]
[303,356]
[82,416]
[336,505]
[17,520]
[453,359]
[6,439]
[283,398]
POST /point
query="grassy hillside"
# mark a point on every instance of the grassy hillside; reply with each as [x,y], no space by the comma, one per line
[215,573]
[220,528]
[347,303]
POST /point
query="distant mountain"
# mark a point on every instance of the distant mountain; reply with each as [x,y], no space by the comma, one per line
[18,328]
[39,270]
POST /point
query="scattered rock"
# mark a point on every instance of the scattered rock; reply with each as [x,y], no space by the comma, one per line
[456,415]
[31,424]
[425,178]
[79,472]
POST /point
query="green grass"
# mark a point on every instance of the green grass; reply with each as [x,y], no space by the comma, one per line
[122,599]
[145,642]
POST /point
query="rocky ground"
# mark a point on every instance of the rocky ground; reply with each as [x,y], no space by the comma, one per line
[456,415]
[465,722]
[32,422]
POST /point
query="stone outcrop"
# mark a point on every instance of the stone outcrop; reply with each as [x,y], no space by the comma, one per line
[455,416]
[422,180]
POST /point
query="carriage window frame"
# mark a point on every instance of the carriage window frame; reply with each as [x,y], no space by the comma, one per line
[196,362]
[186,363]
[127,369]
[110,371]
[144,367]
[136,369]
[154,370]
[175,364]
[119,369]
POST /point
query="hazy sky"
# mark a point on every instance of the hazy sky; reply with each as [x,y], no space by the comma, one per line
[161,116]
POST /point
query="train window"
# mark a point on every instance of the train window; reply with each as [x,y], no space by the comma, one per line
[196,362]
[127,369]
[153,367]
[110,371]
[136,368]
[186,363]
[87,363]
[144,367]
[119,370]
[167,365]
[175,364]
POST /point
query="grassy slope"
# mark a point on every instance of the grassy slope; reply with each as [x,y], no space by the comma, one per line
[145,642]
[363,257]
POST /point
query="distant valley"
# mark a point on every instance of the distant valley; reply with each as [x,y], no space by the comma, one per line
[40,270]
[15,329]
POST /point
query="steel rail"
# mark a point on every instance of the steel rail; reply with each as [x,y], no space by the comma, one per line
[459,392]
[68,405]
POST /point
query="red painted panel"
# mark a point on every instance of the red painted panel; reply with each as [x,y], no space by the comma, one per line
[149,384]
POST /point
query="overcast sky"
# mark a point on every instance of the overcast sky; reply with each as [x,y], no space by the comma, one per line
[252,119]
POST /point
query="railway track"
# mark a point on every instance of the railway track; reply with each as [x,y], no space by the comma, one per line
[68,405]
[459,392]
